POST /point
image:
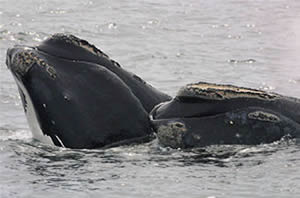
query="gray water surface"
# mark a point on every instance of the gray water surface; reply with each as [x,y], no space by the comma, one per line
[168,43]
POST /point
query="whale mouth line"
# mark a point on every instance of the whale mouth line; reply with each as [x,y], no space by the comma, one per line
[202,116]
[153,117]
[193,99]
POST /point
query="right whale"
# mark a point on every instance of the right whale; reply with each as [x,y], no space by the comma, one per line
[75,96]
[204,114]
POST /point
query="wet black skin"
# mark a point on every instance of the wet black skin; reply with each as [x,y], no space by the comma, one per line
[183,106]
[85,104]
[86,100]
[57,46]
[208,122]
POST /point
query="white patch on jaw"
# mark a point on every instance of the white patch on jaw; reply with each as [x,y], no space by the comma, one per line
[59,140]
[34,126]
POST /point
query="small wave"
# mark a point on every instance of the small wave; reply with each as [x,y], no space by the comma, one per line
[235,61]
[8,133]
[235,155]
[22,37]
[112,26]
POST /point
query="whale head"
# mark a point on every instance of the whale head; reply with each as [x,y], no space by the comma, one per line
[204,114]
[72,101]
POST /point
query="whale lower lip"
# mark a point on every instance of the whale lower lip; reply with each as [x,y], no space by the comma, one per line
[8,58]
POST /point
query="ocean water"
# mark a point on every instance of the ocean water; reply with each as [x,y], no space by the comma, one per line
[169,43]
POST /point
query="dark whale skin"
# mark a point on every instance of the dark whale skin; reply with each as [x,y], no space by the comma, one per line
[205,114]
[80,97]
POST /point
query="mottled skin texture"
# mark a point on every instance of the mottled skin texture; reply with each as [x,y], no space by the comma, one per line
[204,114]
[82,98]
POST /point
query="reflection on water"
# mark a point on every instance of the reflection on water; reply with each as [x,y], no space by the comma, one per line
[123,168]
[49,161]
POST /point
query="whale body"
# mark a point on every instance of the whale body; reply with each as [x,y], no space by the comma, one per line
[75,96]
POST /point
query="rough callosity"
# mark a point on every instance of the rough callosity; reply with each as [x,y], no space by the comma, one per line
[26,59]
[78,42]
[263,116]
[220,92]
[172,134]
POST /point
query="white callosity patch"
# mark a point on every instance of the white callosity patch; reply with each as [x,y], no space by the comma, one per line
[221,92]
[23,61]
[80,43]
[263,116]
[171,134]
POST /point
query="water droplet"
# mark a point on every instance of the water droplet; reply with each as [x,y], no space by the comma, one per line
[250,61]
[57,11]
[179,54]
[250,25]
[292,81]
[112,26]
[44,105]
[266,87]
[153,22]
